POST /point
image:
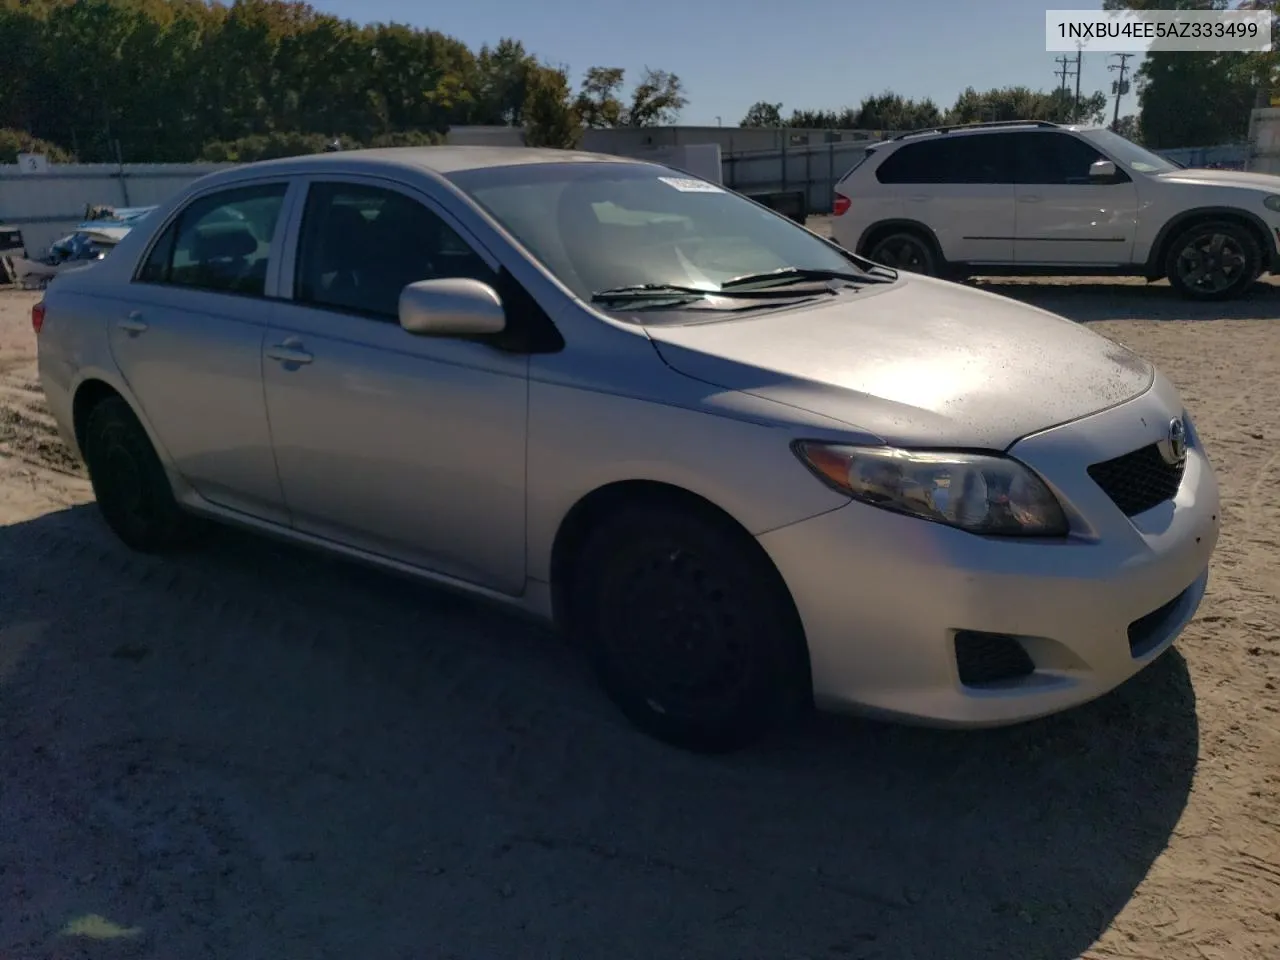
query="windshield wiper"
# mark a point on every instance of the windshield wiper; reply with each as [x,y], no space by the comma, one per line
[649,291]
[789,275]
[677,292]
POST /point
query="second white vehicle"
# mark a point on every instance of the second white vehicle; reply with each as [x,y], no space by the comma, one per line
[1036,197]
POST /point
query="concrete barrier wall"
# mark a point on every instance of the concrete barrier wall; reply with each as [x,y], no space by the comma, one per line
[47,206]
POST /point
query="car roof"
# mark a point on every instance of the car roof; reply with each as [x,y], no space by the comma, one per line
[974,129]
[441,160]
[434,162]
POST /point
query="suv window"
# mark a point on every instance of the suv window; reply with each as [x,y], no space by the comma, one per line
[972,158]
[1055,158]
[360,246]
[220,242]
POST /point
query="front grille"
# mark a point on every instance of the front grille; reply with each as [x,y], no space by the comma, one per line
[1147,632]
[1139,480]
[987,658]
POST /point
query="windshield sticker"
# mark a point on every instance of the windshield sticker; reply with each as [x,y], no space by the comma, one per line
[688,185]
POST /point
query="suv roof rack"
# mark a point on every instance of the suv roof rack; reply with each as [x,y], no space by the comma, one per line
[985,125]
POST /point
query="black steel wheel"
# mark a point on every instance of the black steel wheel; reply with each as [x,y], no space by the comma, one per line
[1215,260]
[905,250]
[129,481]
[688,626]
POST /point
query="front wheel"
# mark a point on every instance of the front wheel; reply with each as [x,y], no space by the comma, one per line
[905,250]
[689,627]
[1216,260]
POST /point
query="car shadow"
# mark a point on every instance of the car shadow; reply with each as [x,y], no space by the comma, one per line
[1089,302]
[251,750]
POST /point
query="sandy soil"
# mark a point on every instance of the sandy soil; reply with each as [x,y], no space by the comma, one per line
[252,752]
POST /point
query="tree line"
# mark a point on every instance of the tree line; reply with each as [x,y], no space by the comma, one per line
[1185,99]
[891,111]
[181,80]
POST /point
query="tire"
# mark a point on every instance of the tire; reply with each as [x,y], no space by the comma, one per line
[688,627]
[130,483]
[1214,260]
[905,250]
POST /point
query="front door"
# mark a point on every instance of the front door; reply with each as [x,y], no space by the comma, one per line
[1064,218]
[188,341]
[408,447]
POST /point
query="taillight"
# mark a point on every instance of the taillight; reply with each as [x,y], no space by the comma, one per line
[841,205]
[37,316]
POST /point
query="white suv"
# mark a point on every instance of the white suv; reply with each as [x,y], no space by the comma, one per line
[1034,197]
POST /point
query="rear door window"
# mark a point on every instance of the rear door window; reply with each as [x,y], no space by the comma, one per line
[221,242]
[977,158]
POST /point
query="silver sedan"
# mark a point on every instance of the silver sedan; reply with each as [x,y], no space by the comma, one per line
[743,468]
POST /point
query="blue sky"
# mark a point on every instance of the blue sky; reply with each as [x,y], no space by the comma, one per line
[817,54]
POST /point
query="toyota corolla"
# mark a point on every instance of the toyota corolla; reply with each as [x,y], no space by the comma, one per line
[744,469]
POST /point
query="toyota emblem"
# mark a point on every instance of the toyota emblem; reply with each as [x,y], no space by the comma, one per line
[1176,450]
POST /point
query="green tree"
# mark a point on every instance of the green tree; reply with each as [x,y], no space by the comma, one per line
[846,119]
[1168,83]
[1129,127]
[890,111]
[164,78]
[1022,103]
[14,142]
[504,74]
[763,114]
[657,99]
[598,102]
[550,115]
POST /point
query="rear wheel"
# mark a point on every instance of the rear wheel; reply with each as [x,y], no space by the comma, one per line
[905,250]
[1215,260]
[129,481]
[689,628]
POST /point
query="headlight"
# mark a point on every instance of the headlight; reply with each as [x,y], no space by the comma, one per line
[989,495]
[1272,202]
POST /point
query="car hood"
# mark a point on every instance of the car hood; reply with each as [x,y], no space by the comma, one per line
[921,362]
[1224,178]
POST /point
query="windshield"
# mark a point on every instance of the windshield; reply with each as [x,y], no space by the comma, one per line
[603,226]
[1129,153]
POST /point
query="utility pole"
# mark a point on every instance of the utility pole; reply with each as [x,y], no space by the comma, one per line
[1075,114]
[1064,71]
[1121,86]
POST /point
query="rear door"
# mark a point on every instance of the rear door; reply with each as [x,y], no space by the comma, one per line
[1063,217]
[189,342]
[961,187]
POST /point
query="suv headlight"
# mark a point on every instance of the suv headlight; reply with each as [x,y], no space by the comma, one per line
[1272,202]
[981,493]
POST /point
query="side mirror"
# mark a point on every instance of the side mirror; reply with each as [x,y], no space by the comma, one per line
[452,307]
[1102,170]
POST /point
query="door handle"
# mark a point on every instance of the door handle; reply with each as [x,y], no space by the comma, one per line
[919,198]
[133,323]
[1030,198]
[289,352]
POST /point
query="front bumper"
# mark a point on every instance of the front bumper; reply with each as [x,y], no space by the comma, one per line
[883,596]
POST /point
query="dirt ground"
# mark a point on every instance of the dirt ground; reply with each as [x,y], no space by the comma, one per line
[253,752]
